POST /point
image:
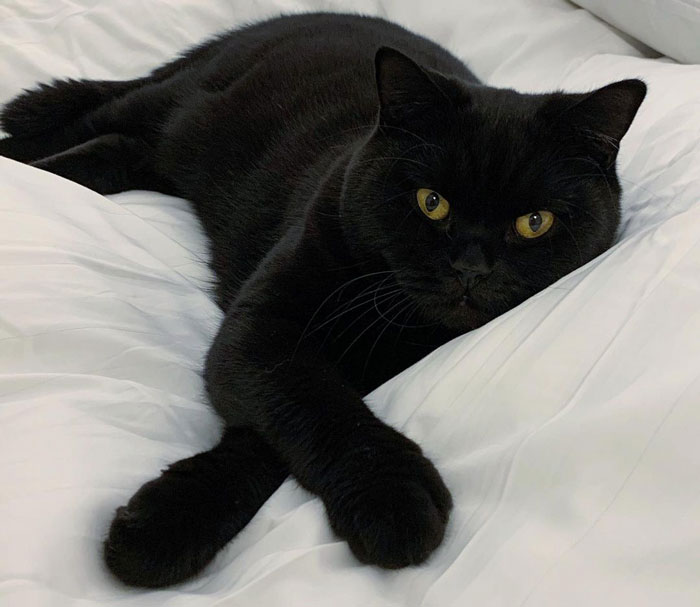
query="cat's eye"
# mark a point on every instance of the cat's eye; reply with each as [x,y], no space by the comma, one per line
[432,204]
[534,225]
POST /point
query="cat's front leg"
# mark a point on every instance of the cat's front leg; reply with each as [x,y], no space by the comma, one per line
[382,495]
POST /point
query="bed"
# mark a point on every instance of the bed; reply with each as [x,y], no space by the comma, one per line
[567,429]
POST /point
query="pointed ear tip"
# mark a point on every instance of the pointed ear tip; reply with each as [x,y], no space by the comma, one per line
[380,56]
[642,89]
[639,86]
[634,86]
[385,53]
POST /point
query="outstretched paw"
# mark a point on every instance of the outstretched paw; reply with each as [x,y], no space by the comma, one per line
[394,512]
[174,525]
[170,529]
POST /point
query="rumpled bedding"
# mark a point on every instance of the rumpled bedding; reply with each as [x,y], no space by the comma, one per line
[567,429]
[669,26]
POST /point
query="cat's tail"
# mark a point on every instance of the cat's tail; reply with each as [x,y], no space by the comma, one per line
[174,525]
[52,106]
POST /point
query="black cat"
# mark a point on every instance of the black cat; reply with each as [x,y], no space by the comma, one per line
[363,208]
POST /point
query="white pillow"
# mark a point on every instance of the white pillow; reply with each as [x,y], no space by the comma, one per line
[669,26]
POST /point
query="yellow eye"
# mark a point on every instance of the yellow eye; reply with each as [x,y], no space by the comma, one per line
[432,204]
[535,224]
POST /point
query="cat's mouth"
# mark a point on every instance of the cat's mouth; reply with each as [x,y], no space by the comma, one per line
[462,308]
[464,314]
[453,305]
[468,294]
[470,305]
[468,301]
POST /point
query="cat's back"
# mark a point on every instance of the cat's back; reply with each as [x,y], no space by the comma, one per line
[290,85]
[318,47]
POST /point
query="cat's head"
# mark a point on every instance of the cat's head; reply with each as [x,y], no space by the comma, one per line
[479,197]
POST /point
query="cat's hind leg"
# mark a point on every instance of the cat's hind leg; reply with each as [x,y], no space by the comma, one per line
[108,164]
[54,117]
[32,148]
[135,109]
[174,525]
[23,149]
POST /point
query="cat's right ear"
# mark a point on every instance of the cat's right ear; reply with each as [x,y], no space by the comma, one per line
[602,117]
[405,89]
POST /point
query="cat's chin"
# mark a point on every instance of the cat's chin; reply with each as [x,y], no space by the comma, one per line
[463,314]
[466,317]
[452,307]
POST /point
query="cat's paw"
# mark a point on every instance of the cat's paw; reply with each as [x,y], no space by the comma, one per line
[164,534]
[175,524]
[394,513]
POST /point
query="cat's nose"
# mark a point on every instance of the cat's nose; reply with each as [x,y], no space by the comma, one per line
[468,276]
[470,264]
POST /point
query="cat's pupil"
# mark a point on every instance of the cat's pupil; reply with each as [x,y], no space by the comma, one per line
[535,222]
[432,201]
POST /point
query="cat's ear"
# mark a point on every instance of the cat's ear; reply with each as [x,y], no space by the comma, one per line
[604,116]
[404,88]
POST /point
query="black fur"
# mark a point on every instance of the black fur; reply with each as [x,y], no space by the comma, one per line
[179,521]
[301,143]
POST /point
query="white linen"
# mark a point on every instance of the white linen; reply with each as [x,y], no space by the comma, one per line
[566,429]
[669,26]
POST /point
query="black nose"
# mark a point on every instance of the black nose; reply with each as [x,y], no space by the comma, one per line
[470,265]
[468,277]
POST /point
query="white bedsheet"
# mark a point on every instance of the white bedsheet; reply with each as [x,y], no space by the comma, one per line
[567,429]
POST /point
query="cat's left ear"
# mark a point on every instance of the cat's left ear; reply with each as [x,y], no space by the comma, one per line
[603,117]
[405,89]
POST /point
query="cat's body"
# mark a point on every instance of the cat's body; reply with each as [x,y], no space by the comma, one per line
[302,146]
